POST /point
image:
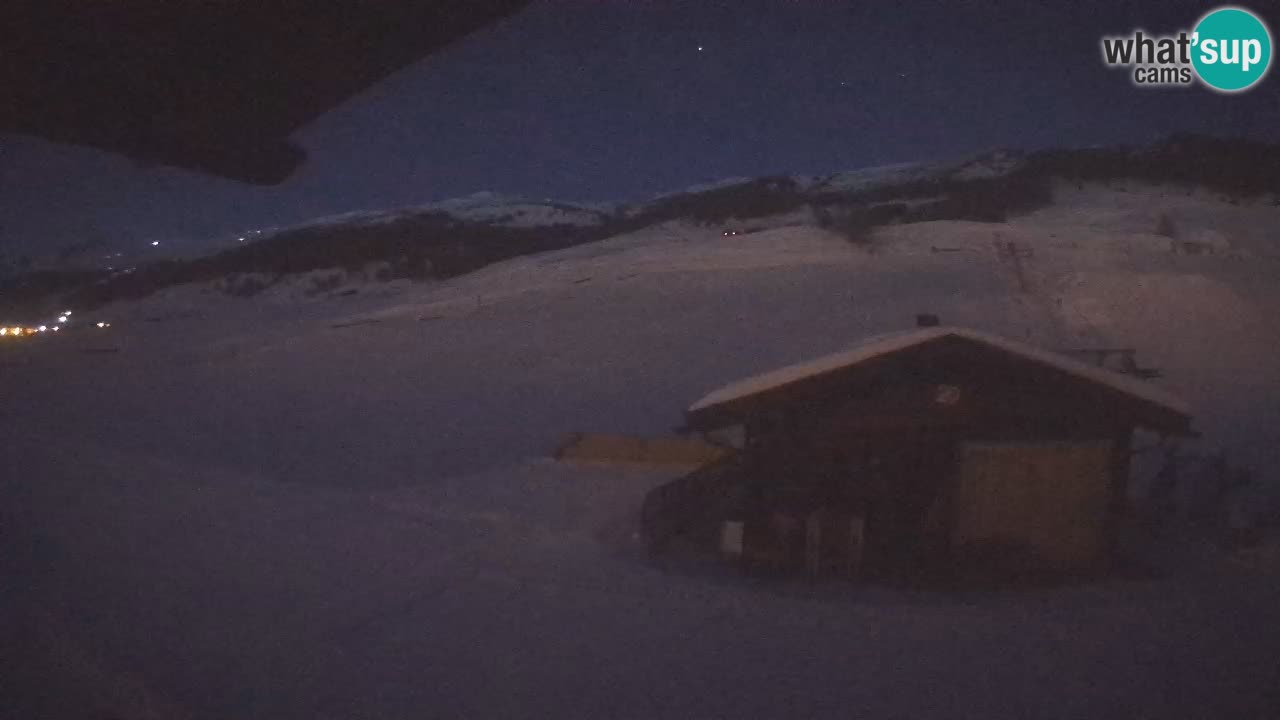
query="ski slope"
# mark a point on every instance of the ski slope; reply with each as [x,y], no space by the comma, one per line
[335,506]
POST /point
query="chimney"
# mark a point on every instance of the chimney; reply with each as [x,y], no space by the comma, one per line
[924,320]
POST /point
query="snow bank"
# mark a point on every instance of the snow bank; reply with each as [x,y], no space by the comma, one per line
[265,511]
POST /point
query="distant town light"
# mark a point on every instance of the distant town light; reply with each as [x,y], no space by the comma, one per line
[61,319]
[42,328]
[56,328]
[102,324]
[155,242]
[4,331]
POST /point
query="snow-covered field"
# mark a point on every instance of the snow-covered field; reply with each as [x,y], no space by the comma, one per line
[334,507]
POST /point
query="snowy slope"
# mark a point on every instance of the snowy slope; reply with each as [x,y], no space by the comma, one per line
[674,310]
[325,506]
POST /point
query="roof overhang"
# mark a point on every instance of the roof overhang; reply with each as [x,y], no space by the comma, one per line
[734,403]
[215,87]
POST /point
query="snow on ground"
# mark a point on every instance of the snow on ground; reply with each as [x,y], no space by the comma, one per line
[235,596]
[318,506]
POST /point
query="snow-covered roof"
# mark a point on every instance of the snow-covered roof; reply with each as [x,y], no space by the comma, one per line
[880,345]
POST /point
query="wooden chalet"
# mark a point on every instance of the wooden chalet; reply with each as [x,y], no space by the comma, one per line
[937,447]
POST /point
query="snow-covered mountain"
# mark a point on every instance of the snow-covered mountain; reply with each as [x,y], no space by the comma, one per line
[445,238]
[332,499]
[510,211]
[484,207]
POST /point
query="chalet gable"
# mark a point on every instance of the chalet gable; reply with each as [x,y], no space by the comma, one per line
[945,374]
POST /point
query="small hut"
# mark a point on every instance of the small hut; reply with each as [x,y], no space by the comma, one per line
[938,445]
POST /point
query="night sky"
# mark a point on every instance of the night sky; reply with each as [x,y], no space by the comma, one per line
[617,101]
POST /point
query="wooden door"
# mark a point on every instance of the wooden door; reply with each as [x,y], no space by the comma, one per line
[1048,499]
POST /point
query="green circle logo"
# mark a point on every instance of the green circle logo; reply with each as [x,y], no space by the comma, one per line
[1231,49]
